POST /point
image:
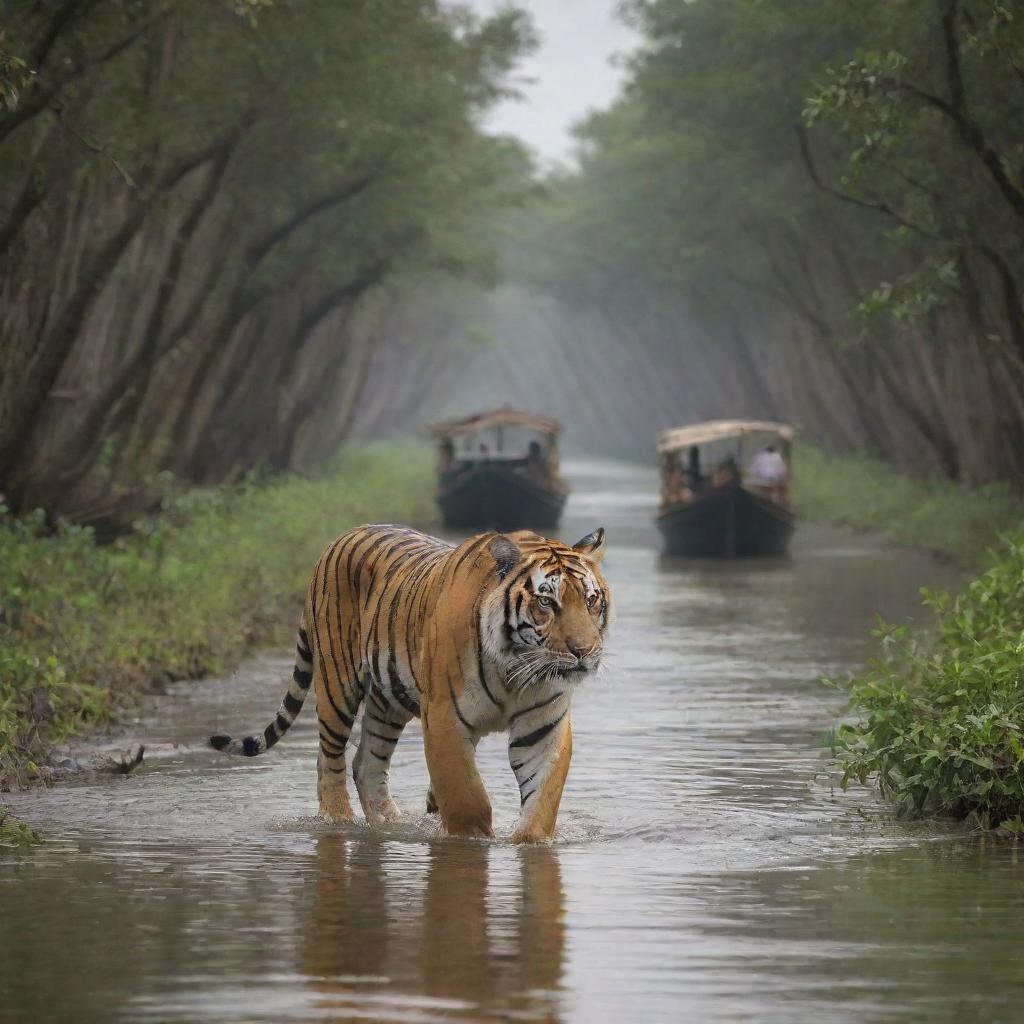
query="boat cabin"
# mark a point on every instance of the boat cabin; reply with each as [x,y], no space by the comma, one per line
[503,435]
[499,470]
[753,454]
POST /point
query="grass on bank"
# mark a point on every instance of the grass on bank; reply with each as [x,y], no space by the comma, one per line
[934,515]
[219,571]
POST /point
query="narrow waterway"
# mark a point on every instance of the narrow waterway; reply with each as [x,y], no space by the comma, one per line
[704,869]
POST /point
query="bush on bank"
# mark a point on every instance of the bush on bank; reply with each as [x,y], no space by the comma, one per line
[934,515]
[941,725]
[219,571]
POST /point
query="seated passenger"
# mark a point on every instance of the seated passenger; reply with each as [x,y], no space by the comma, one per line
[769,473]
[727,473]
[673,487]
[535,460]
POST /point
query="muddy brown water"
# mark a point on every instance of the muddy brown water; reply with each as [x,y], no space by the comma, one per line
[701,871]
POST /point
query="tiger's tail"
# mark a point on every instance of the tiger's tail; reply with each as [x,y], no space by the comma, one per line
[302,677]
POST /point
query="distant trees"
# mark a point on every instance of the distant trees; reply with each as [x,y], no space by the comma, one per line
[198,203]
[812,210]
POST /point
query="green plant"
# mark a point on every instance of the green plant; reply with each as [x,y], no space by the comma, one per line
[14,833]
[940,726]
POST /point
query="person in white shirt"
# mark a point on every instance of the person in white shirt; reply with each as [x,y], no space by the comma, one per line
[768,468]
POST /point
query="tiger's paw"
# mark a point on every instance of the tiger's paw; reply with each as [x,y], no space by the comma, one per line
[379,813]
[337,814]
[527,832]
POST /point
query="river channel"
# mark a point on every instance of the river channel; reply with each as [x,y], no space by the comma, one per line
[704,867]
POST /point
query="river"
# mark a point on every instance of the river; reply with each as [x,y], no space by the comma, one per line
[704,868]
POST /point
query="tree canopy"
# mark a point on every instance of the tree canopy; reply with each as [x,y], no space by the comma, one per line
[199,200]
[811,210]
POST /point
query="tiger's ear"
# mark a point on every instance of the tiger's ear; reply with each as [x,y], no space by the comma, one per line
[505,554]
[592,546]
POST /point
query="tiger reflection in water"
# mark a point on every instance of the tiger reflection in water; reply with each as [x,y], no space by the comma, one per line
[498,951]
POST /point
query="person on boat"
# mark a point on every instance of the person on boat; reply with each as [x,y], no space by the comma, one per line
[694,479]
[673,486]
[537,462]
[769,474]
[726,473]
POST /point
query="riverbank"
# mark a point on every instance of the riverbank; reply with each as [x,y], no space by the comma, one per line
[937,516]
[86,628]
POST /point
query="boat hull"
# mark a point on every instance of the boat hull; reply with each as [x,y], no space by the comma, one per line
[490,495]
[727,522]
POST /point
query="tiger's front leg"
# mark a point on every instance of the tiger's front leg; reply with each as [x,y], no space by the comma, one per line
[455,783]
[540,756]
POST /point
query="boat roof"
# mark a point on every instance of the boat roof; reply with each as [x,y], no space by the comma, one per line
[717,430]
[496,417]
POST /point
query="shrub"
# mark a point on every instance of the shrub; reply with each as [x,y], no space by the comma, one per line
[941,726]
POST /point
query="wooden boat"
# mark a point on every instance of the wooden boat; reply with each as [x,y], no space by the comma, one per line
[499,470]
[738,510]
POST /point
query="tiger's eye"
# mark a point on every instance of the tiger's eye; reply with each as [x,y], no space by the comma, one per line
[544,602]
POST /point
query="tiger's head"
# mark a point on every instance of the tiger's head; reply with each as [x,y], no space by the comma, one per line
[548,615]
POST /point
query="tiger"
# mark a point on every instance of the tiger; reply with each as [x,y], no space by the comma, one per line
[493,634]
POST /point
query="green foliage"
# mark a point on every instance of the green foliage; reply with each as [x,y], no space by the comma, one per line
[185,594]
[275,162]
[829,193]
[941,727]
[934,515]
[14,833]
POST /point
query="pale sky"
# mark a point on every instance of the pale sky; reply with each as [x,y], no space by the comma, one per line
[571,72]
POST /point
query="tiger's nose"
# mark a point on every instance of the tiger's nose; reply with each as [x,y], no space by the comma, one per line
[578,648]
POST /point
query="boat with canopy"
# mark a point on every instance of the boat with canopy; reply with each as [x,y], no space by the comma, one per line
[499,470]
[725,489]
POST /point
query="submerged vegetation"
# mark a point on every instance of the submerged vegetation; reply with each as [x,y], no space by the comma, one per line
[82,625]
[14,833]
[941,725]
[934,515]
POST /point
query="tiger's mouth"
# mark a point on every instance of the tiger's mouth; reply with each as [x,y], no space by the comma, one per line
[578,671]
[574,670]
[535,668]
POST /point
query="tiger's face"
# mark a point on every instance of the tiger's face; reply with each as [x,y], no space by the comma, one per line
[548,618]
